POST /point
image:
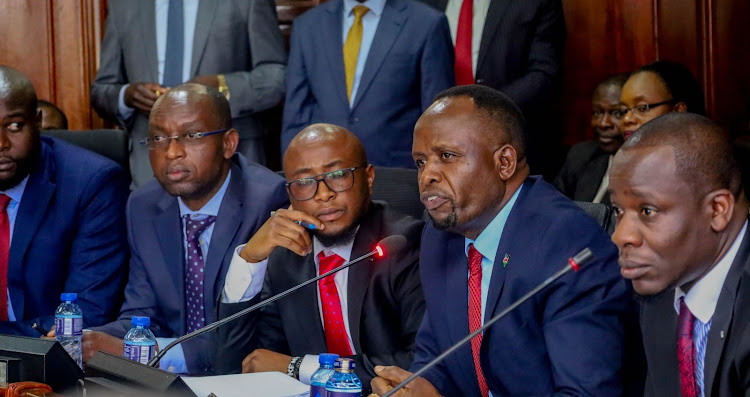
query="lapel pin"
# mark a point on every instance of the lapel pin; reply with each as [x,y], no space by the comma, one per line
[722,334]
[506,258]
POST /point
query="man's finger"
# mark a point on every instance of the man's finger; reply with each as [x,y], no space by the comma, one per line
[300,216]
[380,386]
[392,373]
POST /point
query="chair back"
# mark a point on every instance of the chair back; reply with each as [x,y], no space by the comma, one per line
[601,212]
[112,144]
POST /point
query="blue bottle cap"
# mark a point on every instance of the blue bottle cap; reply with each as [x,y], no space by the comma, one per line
[345,364]
[69,296]
[327,358]
[137,321]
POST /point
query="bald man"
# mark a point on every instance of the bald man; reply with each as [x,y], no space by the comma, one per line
[682,233]
[330,183]
[183,227]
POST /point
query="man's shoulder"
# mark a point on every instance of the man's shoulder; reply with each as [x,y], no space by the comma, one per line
[71,163]
[419,9]
[396,223]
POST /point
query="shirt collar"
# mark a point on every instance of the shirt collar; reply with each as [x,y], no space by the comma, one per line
[212,206]
[488,241]
[376,6]
[344,251]
[16,192]
[702,297]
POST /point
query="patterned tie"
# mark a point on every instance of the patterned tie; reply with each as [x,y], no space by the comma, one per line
[196,315]
[475,312]
[337,340]
[686,351]
[175,45]
[4,251]
[463,66]
[351,48]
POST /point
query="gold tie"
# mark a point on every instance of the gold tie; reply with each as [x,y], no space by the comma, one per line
[351,48]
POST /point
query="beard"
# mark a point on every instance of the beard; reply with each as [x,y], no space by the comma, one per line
[448,223]
[339,239]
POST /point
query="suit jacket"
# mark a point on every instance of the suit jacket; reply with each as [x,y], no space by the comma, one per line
[726,370]
[410,62]
[566,340]
[157,264]
[237,38]
[583,171]
[69,236]
[385,303]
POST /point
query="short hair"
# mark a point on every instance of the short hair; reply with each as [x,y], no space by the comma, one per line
[499,109]
[680,83]
[703,151]
[218,101]
[42,103]
[617,80]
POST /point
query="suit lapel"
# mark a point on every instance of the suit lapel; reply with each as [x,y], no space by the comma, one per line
[173,256]
[334,49]
[492,23]
[148,31]
[391,23]
[204,21]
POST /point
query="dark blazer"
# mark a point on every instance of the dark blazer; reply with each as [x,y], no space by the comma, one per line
[385,303]
[567,340]
[69,236]
[583,171]
[156,284]
[727,362]
[410,62]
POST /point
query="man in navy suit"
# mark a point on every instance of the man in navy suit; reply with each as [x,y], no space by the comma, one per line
[371,67]
[62,220]
[183,227]
[483,250]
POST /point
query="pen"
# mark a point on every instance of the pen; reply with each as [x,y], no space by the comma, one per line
[306,225]
[39,329]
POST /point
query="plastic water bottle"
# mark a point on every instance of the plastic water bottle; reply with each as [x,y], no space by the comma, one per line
[140,342]
[344,382]
[69,326]
[320,377]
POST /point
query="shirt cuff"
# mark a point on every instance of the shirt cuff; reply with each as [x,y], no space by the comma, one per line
[174,360]
[309,365]
[122,109]
[244,279]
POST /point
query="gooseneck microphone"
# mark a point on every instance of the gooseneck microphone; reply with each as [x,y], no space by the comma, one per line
[574,263]
[387,245]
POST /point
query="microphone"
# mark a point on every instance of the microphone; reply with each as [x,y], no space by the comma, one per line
[387,245]
[574,263]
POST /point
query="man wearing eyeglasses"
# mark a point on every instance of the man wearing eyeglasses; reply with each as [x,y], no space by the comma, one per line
[183,227]
[370,311]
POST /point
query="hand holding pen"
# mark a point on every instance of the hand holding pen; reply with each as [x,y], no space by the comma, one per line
[286,228]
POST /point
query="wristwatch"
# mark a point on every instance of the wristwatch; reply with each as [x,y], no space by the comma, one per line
[223,87]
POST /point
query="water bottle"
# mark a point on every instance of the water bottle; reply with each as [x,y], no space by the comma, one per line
[344,382]
[321,376]
[140,342]
[69,326]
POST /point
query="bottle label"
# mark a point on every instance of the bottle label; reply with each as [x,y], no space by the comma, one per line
[318,391]
[139,353]
[69,326]
[344,393]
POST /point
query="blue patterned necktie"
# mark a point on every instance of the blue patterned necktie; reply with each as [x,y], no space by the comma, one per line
[196,315]
[175,45]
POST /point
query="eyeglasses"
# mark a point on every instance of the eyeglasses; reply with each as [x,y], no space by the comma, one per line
[337,181]
[158,142]
[642,109]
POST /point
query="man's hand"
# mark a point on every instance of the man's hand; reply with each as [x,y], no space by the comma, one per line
[142,96]
[93,341]
[389,377]
[262,360]
[209,80]
[280,230]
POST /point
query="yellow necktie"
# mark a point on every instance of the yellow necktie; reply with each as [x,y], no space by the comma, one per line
[351,48]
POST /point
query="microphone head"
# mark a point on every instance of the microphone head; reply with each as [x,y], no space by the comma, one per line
[581,258]
[391,244]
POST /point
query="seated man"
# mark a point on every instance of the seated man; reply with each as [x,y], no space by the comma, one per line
[495,234]
[682,234]
[53,117]
[183,226]
[62,220]
[381,304]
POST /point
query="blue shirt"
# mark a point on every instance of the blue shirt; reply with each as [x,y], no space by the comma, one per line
[15,193]
[370,23]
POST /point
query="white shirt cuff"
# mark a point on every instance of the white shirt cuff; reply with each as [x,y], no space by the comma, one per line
[244,280]
[124,111]
[309,365]
[174,360]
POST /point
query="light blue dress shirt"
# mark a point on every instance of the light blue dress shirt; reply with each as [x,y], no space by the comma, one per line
[370,23]
[15,193]
[174,360]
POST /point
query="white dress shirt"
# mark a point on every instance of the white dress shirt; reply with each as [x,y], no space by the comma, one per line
[453,10]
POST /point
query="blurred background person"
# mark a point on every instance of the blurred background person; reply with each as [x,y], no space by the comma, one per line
[53,118]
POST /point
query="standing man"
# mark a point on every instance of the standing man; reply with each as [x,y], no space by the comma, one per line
[483,251]
[682,232]
[151,46]
[183,227]
[371,67]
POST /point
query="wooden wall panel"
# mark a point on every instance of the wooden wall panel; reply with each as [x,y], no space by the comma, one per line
[729,66]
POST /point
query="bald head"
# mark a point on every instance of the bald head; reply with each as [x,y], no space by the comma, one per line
[204,97]
[333,136]
[16,90]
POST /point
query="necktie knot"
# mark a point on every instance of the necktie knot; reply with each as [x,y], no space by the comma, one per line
[4,201]
[328,263]
[475,261]
[359,12]
[194,227]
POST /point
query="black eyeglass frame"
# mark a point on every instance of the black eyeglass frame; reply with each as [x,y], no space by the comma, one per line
[322,178]
[620,113]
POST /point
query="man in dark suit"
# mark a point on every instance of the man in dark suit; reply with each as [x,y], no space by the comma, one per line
[149,46]
[569,338]
[682,232]
[183,227]
[396,57]
[585,174]
[380,301]
[62,220]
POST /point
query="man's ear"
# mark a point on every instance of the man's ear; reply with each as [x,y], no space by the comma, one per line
[680,107]
[230,141]
[506,161]
[370,173]
[720,206]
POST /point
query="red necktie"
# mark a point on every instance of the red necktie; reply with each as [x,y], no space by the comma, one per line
[475,311]
[463,69]
[4,251]
[686,351]
[337,340]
